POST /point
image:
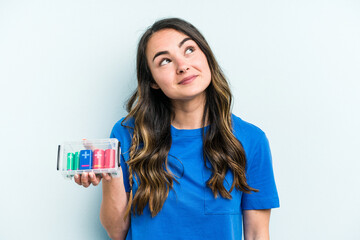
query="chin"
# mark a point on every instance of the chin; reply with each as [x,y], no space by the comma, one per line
[193,96]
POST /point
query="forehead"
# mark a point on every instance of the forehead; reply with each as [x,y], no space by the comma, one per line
[163,40]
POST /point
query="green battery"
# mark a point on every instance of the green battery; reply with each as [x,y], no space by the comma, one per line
[76,161]
[70,161]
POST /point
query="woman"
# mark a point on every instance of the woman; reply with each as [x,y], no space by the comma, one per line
[191,169]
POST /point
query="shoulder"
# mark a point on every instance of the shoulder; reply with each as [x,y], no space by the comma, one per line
[254,142]
[123,131]
[122,128]
[251,137]
[124,123]
[246,131]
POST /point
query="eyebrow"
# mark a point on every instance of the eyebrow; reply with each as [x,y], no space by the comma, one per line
[167,52]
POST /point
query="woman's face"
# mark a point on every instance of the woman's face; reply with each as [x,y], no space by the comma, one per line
[178,66]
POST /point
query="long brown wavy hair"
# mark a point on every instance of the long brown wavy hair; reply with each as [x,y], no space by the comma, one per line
[152,113]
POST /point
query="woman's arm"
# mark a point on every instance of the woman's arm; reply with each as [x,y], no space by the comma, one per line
[113,204]
[113,207]
[256,224]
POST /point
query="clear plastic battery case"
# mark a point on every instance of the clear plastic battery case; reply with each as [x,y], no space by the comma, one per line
[97,156]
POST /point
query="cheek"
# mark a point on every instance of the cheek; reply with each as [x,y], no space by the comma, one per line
[203,65]
[162,79]
[206,70]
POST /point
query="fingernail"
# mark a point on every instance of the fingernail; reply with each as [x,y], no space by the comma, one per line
[76,176]
[91,175]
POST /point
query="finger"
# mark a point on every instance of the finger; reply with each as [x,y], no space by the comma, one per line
[87,145]
[93,179]
[107,177]
[77,179]
[98,177]
[85,179]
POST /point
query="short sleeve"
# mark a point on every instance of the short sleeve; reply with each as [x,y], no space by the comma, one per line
[260,175]
[117,133]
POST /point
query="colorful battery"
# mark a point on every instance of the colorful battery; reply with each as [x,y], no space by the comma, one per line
[76,161]
[86,157]
[98,158]
[109,158]
[70,161]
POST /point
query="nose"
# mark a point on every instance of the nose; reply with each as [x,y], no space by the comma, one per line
[182,66]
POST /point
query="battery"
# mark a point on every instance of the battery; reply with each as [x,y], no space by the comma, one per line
[76,161]
[86,157]
[98,158]
[70,161]
[109,158]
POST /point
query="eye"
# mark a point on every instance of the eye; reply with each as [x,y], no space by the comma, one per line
[164,61]
[189,50]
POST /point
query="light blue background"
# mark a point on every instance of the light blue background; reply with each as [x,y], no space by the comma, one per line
[66,68]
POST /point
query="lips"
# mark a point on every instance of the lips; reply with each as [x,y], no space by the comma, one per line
[188,79]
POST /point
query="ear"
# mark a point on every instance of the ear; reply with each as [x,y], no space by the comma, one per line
[154,85]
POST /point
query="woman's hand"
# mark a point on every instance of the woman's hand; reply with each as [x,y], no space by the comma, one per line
[86,179]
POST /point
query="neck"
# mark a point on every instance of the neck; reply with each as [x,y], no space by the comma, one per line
[188,114]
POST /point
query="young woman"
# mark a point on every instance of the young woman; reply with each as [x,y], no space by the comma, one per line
[191,169]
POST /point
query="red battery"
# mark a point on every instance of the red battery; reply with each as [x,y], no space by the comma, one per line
[98,158]
[109,158]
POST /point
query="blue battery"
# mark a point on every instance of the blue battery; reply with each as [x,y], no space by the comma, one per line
[86,157]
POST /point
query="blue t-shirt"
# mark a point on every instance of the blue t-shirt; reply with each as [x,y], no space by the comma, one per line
[191,211]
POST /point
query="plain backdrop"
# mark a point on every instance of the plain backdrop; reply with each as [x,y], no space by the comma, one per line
[67,68]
